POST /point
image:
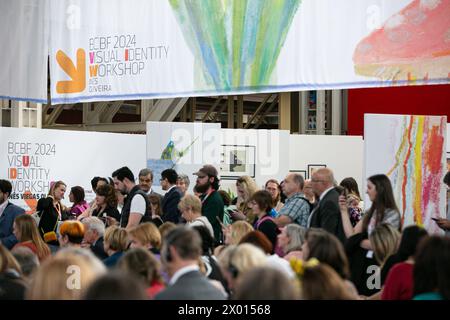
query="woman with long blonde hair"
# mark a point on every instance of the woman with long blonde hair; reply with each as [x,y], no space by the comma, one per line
[245,187]
[27,233]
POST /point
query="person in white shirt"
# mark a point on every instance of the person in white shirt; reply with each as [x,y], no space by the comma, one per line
[136,206]
[191,210]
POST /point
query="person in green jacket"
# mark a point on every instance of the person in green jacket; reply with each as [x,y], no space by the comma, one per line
[207,185]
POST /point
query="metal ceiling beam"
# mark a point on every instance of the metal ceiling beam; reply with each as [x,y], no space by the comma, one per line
[261,106]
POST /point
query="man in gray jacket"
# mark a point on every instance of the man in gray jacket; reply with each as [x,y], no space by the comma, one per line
[180,254]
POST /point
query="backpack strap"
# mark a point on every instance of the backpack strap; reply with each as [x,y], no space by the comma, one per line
[262,220]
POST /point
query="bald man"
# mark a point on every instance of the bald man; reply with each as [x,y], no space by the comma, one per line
[326,215]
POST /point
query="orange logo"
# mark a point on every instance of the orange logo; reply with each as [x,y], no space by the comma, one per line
[78,74]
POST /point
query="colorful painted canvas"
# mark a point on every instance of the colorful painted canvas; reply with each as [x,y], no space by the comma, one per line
[237,42]
[411,151]
[413,44]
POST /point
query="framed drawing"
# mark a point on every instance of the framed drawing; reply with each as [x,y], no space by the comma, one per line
[302,172]
[313,167]
[236,161]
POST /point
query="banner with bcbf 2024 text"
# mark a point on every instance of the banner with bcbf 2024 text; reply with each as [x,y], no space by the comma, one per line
[137,49]
[32,159]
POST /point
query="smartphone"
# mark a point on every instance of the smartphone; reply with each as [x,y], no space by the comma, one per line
[435,219]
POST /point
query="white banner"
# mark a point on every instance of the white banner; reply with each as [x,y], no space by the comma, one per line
[136,49]
[32,158]
[24,50]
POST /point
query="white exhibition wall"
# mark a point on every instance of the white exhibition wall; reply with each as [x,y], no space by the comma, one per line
[32,158]
[269,147]
[183,146]
[342,154]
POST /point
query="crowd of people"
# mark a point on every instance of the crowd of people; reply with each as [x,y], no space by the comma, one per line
[293,239]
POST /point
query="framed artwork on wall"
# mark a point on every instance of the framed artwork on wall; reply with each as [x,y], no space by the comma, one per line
[236,161]
[302,172]
[313,167]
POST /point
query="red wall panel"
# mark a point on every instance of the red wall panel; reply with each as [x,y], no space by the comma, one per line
[418,100]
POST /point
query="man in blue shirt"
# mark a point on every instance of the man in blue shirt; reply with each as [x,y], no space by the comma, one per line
[296,208]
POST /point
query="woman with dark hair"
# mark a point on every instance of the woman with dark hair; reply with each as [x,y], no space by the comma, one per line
[397,280]
[105,204]
[351,186]
[409,240]
[358,247]
[383,209]
[76,196]
[354,201]
[328,249]
[261,204]
[155,206]
[431,269]
[273,187]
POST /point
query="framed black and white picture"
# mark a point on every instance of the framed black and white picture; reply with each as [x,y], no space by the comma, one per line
[313,167]
[236,161]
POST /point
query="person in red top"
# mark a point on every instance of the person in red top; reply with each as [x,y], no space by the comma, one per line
[143,265]
[397,271]
[399,282]
[26,231]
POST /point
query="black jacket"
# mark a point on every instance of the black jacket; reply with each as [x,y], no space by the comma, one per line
[127,207]
[98,250]
[109,211]
[360,263]
[49,217]
[327,215]
[169,206]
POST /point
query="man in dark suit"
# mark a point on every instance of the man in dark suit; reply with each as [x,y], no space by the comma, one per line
[180,253]
[93,236]
[326,215]
[8,212]
[169,205]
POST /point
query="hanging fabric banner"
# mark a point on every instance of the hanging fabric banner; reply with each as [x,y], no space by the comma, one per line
[24,50]
[139,49]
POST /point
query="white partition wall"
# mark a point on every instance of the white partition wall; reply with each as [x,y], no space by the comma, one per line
[183,146]
[32,158]
[343,154]
[265,153]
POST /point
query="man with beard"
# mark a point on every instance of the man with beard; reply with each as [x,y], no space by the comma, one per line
[212,204]
[136,208]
